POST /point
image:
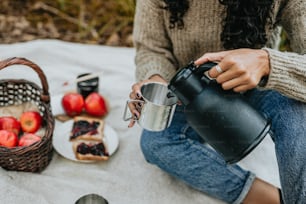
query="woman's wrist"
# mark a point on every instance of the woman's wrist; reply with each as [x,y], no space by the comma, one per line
[266,57]
[157,77]
[264,80]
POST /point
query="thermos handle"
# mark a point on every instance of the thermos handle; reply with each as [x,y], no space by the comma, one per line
[190,80]
[202,71]
[205,67]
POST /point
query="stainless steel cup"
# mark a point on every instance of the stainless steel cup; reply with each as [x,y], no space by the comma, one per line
[156,109]
[91,199]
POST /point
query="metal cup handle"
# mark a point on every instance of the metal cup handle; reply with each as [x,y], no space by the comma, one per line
[125,118]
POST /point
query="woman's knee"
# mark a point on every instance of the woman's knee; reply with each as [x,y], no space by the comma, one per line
[161,146]
[289,122]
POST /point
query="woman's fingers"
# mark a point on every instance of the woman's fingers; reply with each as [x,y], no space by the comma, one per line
[136,106]
[211,57]
[239,69]
[217,70]
[135,111]
[236,80]
[136,91]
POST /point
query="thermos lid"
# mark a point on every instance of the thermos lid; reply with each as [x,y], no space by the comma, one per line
[187,83]
[180,84]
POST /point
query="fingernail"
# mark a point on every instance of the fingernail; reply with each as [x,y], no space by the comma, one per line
[135,117]
[138,95]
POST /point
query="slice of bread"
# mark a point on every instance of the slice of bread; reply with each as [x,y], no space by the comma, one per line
[87,128]
[90,150]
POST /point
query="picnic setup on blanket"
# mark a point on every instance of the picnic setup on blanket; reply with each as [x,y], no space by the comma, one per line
[78,142]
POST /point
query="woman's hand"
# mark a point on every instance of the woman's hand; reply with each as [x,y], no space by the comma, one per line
[136,94]
[240,69]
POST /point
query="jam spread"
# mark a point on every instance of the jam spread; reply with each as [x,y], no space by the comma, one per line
[82,127]
[94,149]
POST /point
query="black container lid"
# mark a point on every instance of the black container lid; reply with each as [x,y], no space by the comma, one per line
[187,83]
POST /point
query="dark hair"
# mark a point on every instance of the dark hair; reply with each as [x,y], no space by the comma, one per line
[177,10]
[243,25]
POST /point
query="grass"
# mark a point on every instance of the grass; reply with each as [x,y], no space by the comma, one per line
[92,21]
[88,21]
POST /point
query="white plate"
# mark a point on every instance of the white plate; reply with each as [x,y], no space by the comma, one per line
[63,146]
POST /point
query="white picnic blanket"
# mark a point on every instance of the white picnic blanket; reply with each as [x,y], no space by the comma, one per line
[126,177]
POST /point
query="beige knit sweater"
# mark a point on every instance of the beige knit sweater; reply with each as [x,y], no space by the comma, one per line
[160,50]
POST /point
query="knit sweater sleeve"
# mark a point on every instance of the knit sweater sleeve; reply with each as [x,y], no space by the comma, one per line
[288,69]
[153,47]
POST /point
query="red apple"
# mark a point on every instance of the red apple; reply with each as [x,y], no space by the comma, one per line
[10,123]
[73,104]
[28,139]
[30,121]
[8,138]
[95,105]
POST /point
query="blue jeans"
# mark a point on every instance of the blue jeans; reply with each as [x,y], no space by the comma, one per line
[181,152]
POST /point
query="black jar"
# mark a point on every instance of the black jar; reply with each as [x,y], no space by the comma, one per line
[88,86]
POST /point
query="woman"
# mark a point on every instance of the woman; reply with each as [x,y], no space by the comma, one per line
[239,35]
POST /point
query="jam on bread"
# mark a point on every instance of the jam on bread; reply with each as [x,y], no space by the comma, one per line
[87,128]
[90,150]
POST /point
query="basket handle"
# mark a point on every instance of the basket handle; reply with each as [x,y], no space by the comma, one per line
[23,61]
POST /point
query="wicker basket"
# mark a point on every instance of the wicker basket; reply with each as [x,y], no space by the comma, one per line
[36,157]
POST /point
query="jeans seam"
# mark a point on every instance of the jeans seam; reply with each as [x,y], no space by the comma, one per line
[245,189]
[234,171]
